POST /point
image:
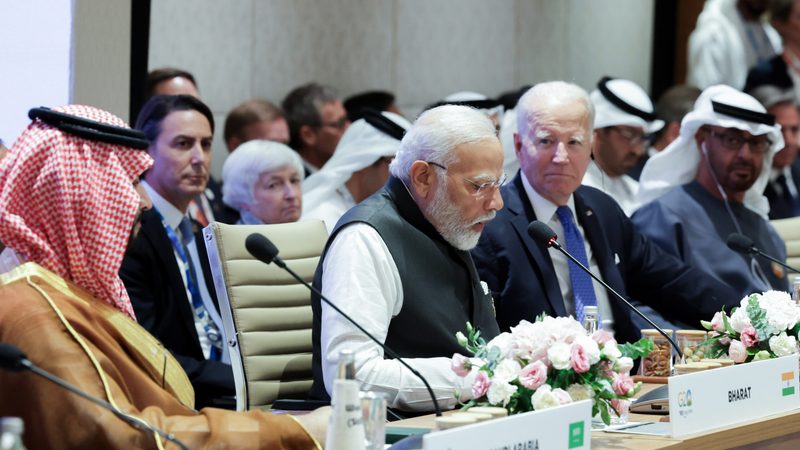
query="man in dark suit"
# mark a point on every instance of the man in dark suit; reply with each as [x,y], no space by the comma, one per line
[784,177]
[165,270]
[526,278]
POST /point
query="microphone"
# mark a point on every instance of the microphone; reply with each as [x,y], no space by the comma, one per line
[540,232]
[265,251]
[14,359]
[743,244]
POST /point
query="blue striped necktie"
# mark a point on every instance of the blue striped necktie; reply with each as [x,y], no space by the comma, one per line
[582,289]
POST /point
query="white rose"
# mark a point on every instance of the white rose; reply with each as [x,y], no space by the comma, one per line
[783,345]
[543,398]
[559,355]
[580,392]
[611,351]
[506,371]
[782,312]
[503,341]
[739,320]
[624,364]
[500,393]
[590,347]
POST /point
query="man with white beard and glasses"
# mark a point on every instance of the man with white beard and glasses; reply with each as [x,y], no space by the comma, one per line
[399,263]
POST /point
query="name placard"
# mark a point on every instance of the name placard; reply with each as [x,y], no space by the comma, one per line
[563,427]
[703,401]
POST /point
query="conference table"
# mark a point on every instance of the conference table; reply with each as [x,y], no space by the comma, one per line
[780,431]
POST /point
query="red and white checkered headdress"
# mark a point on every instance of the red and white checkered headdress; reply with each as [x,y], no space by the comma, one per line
[68,203]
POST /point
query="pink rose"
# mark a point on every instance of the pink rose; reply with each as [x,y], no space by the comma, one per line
[481,385]
[579,360]
[622,384]
[460,365]
[716,322]
[737,351]
[602,336]
[749,336]
[621,406]
[533,375]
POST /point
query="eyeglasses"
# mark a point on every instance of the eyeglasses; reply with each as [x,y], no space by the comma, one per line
[632,137]
[339,124]
[735,141]
[481,189]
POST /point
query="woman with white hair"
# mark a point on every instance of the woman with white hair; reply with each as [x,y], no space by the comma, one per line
[262,180]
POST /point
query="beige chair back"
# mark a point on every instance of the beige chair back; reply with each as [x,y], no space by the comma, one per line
[266,314]
[789,231]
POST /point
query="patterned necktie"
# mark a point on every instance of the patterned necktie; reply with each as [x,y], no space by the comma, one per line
[582,289]
[212,332]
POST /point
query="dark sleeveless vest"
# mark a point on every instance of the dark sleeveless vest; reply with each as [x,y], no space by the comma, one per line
[441,288]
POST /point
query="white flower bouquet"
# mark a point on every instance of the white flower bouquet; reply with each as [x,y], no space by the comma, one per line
[763,326]
[548,363]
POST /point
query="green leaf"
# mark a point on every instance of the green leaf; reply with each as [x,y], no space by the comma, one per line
[758,318]
[605,406]
[637,349]
[727,324]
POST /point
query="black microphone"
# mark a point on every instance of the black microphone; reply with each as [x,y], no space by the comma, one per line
[265,251]
[743,244]
[15,360]
[539,231]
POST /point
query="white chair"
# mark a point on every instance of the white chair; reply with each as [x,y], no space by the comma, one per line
[266,314]
[789,231]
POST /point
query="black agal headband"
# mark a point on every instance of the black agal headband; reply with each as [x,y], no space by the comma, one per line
[383,123]
[602,86]
[90,129]
[744,114]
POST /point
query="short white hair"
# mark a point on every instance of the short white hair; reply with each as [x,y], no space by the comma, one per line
[245,164]
[436,133]
[539,99]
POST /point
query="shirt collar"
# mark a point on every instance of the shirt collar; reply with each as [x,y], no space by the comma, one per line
[172,216]
[542,207]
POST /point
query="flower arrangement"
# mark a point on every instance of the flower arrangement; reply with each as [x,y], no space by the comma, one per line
[763,326]
[547,363]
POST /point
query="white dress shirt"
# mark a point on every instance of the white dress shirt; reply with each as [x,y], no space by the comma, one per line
[545,211]
[172,217]
[360,277]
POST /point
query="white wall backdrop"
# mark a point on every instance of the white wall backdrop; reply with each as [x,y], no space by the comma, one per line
[422,50]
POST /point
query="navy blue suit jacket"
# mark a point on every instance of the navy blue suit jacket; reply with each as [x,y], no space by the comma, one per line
[522,280]
[154,283]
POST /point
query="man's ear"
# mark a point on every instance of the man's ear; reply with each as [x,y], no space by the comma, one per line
[422,178]
[308,136]
[517,144]
[699,138]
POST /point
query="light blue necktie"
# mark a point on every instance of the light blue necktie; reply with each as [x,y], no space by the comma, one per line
[582,289]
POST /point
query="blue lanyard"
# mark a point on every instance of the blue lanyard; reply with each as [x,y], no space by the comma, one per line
[197,300]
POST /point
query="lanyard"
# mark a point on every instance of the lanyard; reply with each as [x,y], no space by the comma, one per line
[200,311]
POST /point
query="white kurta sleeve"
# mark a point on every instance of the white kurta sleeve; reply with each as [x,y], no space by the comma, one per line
[361,278]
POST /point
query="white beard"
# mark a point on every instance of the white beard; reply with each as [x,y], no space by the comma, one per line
[449,222]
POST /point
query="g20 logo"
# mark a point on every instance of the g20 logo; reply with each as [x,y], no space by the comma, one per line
[685,398]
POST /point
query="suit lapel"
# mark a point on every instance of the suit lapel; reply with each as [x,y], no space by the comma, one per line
[153,231]
[601,251]
[520,207]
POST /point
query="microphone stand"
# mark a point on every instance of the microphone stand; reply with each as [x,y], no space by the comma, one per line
[555,244]
[280,263]
[758,252]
